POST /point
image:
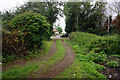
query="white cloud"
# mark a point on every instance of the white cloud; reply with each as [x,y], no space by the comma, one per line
[10,4]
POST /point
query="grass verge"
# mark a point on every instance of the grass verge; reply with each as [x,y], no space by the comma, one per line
[59,55]
[82,67]
[39,53]
[31,68]
[19,72]
[16,71]
[30,53]
[93,52]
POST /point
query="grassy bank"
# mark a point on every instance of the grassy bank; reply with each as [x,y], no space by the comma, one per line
[31,68]
[92,53]
[81,67]
[30,53]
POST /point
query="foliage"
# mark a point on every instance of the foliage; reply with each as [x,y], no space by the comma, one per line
[83,66]
[9,58]
[34,25]
[115,8]
[59,29]
[7,16]
[82,70]
[106,44]
[91,56]
[116,22]
[9,53]
[97,57]
[12,45]
[48,9]
[32,67]
[18,72]
[39,52]
[86,64]
[113,64]
[28,32]
[84,38]
[82,16]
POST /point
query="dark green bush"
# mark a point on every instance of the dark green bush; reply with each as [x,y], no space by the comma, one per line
[97,57]
[112,64]
[9,58]
[82,38]
[27,34]
[107,44]
[35,26]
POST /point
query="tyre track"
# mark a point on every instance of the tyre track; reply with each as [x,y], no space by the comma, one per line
[23,62]
[61,65]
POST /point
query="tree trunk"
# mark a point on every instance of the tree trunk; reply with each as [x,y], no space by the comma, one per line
[108,25]
[118,21]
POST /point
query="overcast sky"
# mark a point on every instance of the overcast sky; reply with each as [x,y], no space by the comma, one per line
[11,4]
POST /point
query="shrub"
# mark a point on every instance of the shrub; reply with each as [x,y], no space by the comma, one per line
[9,58]
[13,43]
[34,25]
[97,57]
[28,32]
[113,64]
[108,44]
[82,38]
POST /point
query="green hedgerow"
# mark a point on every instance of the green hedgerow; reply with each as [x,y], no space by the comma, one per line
[112,64]
[107,44]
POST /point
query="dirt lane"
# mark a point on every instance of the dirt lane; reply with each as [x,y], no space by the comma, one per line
[53,70]
[23,62]
[61,65]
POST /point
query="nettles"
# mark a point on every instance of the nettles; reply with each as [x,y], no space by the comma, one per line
[106,44]
[97,57]
[112,64]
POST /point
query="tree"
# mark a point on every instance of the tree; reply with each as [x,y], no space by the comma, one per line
[71,11]
[59,29]
[115,7]
[116,24]
[82,16]
[7,16]
[109,23]
[48,9]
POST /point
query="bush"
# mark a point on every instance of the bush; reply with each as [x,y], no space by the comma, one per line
[35,26]
[107,44]
[9,58]
[113,64]
[82,38]
[13,43]
[97,57]
[27,34]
